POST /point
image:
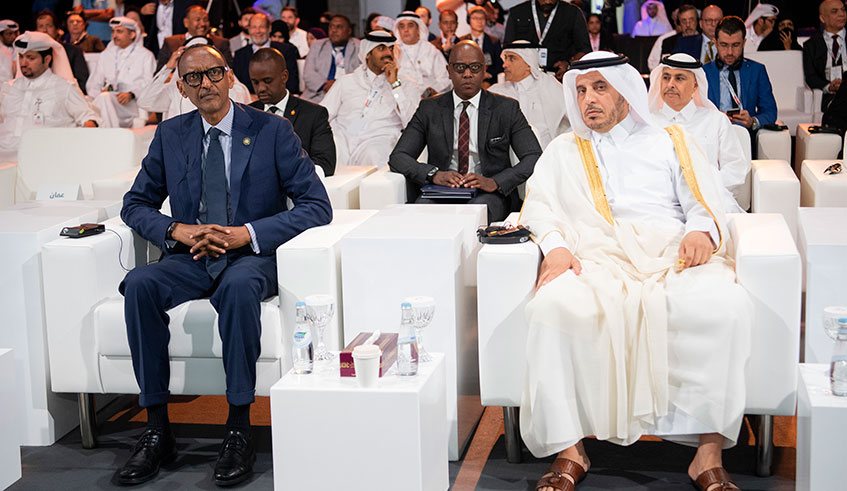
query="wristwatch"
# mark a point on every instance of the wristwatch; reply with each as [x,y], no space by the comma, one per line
[431,174]
[755,125]
[169,235]
[396,84]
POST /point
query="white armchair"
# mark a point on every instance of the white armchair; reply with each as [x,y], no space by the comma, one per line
[817,146]
[86,334]
[767,265]
[796,102]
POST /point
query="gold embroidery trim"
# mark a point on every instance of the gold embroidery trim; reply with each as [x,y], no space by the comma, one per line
[690,177]
[595,182]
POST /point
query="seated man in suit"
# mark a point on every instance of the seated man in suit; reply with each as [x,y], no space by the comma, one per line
[468,132]
[824,54]
[749,101]
[448,21]
[490,45]
[310,121]
[228,170]
[260,30]
[331,58]
[685,39]
[197,25]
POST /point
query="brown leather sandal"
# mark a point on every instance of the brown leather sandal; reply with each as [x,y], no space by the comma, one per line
[715,475]
[557,480]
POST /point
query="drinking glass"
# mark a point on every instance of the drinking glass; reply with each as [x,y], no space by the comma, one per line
[423,310]
[319,311]
[830,320]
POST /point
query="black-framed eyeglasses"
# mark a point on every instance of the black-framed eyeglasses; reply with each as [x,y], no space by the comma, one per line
[833,169]
[215,74]
[461,67]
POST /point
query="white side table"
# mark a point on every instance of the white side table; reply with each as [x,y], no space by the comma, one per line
[329,434]
[431,250]
[24,228]
[819,189]
[821,432]
[823,248]
[10,438]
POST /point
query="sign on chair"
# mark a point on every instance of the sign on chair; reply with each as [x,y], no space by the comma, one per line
[54,191]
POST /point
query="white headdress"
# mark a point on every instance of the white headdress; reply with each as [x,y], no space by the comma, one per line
[661,16]
[548,87]
[372,40]
[385,22]
[409,15]
[618,72]
[759,11]
[684,62]
[129,24]
[8,25]
[39,41]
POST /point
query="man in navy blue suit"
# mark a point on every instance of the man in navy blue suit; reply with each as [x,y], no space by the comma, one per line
[738,86]
[228,170]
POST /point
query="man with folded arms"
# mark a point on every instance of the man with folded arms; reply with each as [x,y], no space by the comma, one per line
[370,106]
[637,322]
[468,132]
[679,95]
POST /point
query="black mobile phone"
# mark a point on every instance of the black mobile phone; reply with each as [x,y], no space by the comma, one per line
[733,112]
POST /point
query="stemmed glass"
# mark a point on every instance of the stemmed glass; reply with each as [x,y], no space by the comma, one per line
[319,311]
[423,310]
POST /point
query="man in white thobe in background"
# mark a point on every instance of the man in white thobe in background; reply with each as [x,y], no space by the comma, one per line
[369,107]
[759,24]
[679,94]
[123,69]
[8,33]
[161,95]
[654,20]
[637,325]
[417,59]
[539,94]
[44,94]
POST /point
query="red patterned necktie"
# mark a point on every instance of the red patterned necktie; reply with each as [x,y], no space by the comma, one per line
[464,138]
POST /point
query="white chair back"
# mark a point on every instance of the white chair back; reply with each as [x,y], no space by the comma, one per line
[785,70]
[91,61]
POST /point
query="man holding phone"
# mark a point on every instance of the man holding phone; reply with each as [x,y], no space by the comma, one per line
[738,86]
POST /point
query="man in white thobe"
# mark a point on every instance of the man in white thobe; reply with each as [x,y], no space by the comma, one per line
[654,21]
[124,68]
[679,94]
[759,24]
[637,325]
[417,59]
[369,107]
[8,33]
[539,94]
[44,94]
[296,36]
[161,95]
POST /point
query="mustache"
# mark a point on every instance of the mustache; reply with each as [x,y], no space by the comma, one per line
[671,91]
[592,107]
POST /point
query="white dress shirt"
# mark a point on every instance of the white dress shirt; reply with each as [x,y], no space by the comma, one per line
[713,132]
[424,64]
[542,103]
[473,127]
[643,181]
[280,106]
[257,47]
[828,37]
[164,21]
[48,101]
[6,65]
[753,40]
[298,38]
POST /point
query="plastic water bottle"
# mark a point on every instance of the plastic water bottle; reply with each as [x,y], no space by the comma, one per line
[407,344]
[301,347]
[838,368]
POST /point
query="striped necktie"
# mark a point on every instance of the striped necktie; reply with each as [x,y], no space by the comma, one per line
[464,138]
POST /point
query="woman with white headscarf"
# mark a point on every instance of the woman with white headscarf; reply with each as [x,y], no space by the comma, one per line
[124,68]
[654,21]
[419,60]
[679,95]
[539,93]
[628,332]
[759,24]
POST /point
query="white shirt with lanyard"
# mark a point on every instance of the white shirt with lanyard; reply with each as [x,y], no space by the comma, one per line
[725,81]
[542,52]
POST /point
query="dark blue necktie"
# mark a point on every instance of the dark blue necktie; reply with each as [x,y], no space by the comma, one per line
[734,82]
[214,182]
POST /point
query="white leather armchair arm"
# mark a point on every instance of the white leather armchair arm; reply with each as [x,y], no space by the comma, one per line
[773,145]
[343,186]
[114,187]
[776,189]
[381,189]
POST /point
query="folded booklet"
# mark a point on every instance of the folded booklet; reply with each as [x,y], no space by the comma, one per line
[432,191]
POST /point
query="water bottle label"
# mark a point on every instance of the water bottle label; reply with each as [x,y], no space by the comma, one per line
[302,339]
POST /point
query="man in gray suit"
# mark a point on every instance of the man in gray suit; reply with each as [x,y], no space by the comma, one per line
[468,132]
[331,58]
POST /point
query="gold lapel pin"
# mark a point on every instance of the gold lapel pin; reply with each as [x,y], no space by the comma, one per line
[292,112]
[246,141]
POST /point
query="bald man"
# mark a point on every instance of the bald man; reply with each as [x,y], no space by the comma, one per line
[823,65]
[311,121]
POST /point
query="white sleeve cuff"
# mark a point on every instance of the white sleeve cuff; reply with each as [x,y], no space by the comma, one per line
[552,241]
[253,242]
[703,224]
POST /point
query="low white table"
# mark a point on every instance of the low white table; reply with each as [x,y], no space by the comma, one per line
[820,190]
[823,247]
[821,432]
[43,415]
[815,147]
[330,434]
[10,437]
[431,250]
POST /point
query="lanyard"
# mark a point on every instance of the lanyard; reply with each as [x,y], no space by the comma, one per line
[732,93]
[542,35]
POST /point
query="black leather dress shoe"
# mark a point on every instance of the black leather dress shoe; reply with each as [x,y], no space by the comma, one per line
[154,448]
[235,460]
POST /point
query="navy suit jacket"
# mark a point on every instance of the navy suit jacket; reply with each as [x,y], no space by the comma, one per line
[241,65]
[267,166]
[756,91]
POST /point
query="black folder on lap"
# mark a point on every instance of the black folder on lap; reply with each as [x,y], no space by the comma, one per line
[433,191]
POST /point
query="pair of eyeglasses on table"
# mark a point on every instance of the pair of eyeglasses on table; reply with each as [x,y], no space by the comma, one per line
[835,168]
